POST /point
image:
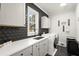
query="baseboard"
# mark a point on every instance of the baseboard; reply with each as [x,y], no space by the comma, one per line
[54,52]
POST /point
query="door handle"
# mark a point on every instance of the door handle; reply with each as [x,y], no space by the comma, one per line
[21,54]
[31,53]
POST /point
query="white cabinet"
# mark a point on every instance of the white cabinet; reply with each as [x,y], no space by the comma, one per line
[24,52]
[28,51]
[51,44]
[36,49]
[43,50]
[46,47]
[45,22]
[12,14]
[20,53]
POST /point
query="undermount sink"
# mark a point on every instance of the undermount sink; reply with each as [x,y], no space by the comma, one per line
[38,38]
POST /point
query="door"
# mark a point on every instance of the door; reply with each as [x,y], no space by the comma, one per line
[28,51]
[51,44]
[43,47]
[24,52]
[36,49]
[66,30]
[67,23]
[46,46]
[62,36]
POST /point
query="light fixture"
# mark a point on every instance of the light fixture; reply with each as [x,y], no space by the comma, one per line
[63,4]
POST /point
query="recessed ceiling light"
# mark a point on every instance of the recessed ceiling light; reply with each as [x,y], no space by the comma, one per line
[63,4]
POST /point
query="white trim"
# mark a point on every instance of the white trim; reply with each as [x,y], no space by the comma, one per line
[41,8]
[54,52]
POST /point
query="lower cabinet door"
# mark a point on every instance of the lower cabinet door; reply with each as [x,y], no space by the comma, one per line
[28,51]
[36,49]
[51,44]
[41,50]
[20,53]
[24,52]
[43,47]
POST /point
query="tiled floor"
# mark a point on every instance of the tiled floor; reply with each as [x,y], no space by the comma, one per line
[61,51]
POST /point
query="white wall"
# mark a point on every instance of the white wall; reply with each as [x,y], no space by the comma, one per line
[63,17]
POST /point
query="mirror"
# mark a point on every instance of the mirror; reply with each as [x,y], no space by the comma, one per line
[32,22]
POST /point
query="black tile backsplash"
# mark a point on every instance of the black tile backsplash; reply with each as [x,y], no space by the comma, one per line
[8,33]
[12,33]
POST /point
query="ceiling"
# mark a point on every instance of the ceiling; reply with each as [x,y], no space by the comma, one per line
[55,8]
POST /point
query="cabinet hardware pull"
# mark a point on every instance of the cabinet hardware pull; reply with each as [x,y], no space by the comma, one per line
[31,54]
[22,54]
[38,48]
